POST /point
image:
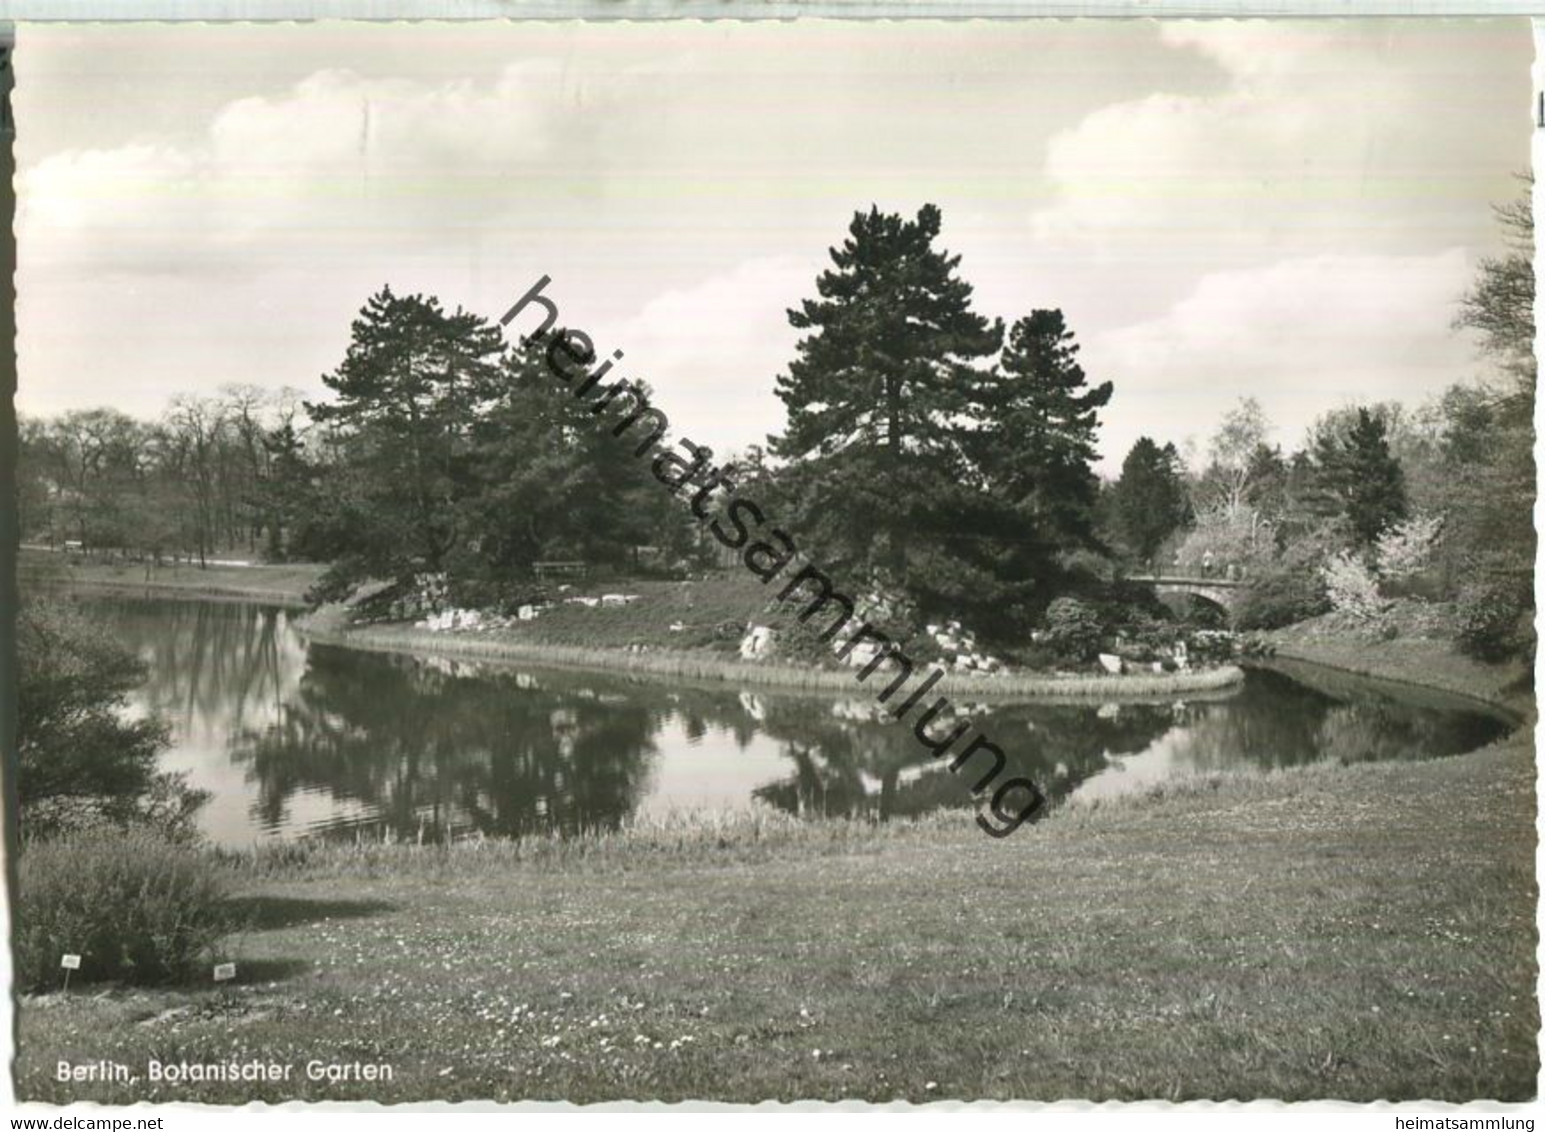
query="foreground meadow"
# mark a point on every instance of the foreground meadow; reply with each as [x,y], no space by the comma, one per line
[1355,932]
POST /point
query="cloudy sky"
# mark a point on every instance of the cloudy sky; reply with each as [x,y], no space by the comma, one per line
[1284,210]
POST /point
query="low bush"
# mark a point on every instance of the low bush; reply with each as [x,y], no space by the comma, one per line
[1037,657]
[1143,639]
[1282,597]
[1211,646]
[1353,588]
[1073,629]
[135,906]
[1492,622]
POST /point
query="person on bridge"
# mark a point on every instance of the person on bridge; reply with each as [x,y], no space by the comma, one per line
[1207,564]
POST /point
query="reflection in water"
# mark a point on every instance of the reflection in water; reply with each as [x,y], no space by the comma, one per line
[429,750]
[849,761]
[295,740]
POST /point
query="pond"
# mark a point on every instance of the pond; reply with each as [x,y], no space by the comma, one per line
[294,739]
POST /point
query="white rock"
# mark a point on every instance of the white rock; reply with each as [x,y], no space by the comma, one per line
[613,599]
[1111,664]
[863,655]
[757,643]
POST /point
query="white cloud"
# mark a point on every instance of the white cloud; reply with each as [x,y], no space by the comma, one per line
[1280,153]
[711,350]
[1304,335]
[183,224]
[335,154]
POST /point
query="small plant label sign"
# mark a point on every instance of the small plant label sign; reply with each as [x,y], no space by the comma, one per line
[70,962]
[224,972]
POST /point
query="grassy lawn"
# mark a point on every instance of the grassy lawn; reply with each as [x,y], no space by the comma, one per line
[1356,932]
[286,583]
[1418,660]
[700,606]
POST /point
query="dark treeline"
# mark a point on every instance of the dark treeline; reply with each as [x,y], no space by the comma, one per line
[930,455]
[214,473]
[442,451]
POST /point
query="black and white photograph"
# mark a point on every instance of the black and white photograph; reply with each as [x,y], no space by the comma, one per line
[800,560]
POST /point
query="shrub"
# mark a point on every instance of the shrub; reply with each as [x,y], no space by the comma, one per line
[1491,623]
[1280,598]
[1131,608]
[80,758]
[1405,549]
[134,905]
[1352,587]
[1033,657]
[1072,629]
[1144,641]
[796,642]
[1211,646]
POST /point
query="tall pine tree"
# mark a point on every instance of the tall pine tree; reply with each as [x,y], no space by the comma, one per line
[1150,497]
[553,482]
[1027,501]
[408,392]
[1356,476]
[1036,417]
[875,390]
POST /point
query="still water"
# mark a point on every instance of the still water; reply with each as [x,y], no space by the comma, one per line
[294,739]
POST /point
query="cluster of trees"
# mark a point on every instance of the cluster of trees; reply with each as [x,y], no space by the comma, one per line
[1251,499]
[214,473]
[441,451]
[1369,483]
[449,451]
[930,454]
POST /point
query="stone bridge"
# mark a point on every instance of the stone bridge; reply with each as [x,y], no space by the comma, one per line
[1222,592]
